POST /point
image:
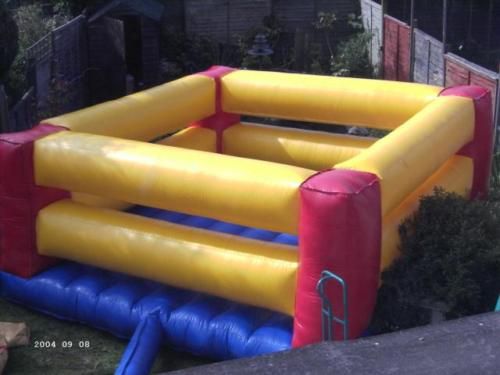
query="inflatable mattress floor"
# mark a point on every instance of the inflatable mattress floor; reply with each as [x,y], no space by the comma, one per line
[156,314]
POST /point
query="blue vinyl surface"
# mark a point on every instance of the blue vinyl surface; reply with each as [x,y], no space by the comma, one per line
[214,225]
[120,304]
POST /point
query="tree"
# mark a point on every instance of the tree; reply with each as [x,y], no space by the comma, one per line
[9,35]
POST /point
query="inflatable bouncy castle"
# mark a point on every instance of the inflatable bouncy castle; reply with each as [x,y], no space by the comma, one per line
[165,217]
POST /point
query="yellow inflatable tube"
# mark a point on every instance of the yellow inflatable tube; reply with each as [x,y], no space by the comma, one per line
[191,138]
[148,114]
[239,269]
[302,148]
[243,191]
[454,176]
[334,100]
[194,138]
[405,158]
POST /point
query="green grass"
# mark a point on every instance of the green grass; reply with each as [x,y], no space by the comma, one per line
[101,357]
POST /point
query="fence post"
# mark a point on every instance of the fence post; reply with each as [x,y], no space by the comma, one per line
[412,39]
[4,111]
[382,44]
[445,38]
[496,115]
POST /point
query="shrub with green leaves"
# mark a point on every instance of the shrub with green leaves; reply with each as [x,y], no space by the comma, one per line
[352,55]
[33,25]
[450,260]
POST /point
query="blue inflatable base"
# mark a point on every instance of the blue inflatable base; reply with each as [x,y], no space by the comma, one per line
[153,314]
[214,225]
[119,304]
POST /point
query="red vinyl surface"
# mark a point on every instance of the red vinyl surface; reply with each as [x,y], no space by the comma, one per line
[20,201]
[339,231]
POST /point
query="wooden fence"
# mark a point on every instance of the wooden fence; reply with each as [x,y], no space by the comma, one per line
[397,42]
[56,62]
[460,71]
[21,116]
[372,22]
[224,20]
[428,64]
[427,60]
[70,62]
[4,111]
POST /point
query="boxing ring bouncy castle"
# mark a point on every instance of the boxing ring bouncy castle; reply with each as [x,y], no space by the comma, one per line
[164,217]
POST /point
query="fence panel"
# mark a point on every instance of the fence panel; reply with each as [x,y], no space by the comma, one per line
[460,71]
[396,49]
[39,57]
[429,59]
[23,115]
[4,111]
[70,61]
[372,21]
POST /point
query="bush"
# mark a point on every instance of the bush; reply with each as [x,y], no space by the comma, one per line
[8,39]
[189,53]
[33,25]
[352,56]
[450,260]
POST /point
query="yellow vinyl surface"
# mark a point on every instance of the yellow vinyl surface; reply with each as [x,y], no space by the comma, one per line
[406,157]
[347,101]
[454,176]
[239,269]
[97,201]
[302,148]
[243,191]
[193,138]
[255,184]
[147,114]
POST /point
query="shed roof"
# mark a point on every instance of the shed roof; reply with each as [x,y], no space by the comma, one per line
[148,8]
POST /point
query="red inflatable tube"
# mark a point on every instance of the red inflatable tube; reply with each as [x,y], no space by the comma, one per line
[339,231]
[481,148]
[20,201]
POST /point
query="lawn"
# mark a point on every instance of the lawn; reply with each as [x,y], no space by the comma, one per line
[101,356]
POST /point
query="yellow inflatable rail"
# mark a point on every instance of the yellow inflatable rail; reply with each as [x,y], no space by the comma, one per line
[183,147]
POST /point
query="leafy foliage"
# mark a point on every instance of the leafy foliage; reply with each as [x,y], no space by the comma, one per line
[450,257]
[272,29]
[325,22]
[189,53]
[33,24]
[352,57]
[8,39]
[495,173]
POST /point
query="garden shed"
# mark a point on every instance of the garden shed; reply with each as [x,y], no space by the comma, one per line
[124,47]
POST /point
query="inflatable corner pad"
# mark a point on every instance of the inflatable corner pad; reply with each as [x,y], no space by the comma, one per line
[217,71]
[339,231]
[481,148]
[221,120]
[20,201]
[143,348]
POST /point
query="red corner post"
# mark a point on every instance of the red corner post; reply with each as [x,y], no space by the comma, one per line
[20,202]
[480,150]
[339,231]
[221,120]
